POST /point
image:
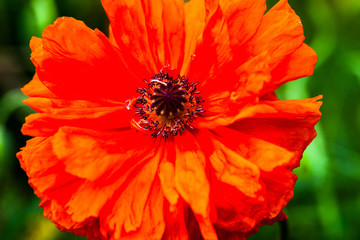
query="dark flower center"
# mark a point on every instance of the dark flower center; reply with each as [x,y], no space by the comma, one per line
[168,99]
[167,105]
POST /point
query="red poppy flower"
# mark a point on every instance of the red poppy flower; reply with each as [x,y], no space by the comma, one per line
[170,128]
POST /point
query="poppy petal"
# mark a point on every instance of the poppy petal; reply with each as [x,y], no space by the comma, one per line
[307,108]
[233,169]
[252,77]
[109,150]
[241,235]
[265,138]
[280,33]
[213,57]
[296,65]
[194,27]
[125,214]
[176,222]
[87,196]
[76,53]
[54,112]
[243,18]
[235,210]
[152,223]
[152,30]
[239,211]
[167,179]
[101,118]
[44,171]
[192,183]
[280,184]
[35,88]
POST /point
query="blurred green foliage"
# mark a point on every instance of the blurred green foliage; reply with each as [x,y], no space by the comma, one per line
[326,204]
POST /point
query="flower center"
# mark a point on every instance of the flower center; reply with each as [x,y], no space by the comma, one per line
[167,105]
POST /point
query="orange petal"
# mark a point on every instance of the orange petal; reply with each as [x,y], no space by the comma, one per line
[264,109]
[174,27]
[125,215]
[243,235]
[44,171]
[111,37]
[152,225]
[296,65]
[274,136]
[190,176]
[176,224]
[35,44]
[129,29]
[192,183]
[100,118]
[194,27]
[243,18]
[283,5]
[231,168]
[91,154]
[235,210]
[76,62]
[35,88]
[153,31]
[74,203]
[280,33]
[279,189]
[251,78]
[212,61]
[166,175]
[233,235]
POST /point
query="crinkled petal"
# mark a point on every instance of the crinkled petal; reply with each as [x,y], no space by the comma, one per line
[194,27]
[192,183]
[54,112]
[233,169]
[152,223]
[307,108]
[235,210]
[35,88]
[93,154]
[50,182]
[82,174]
[243,18]
[241,235]
[98,118]
[125,214]
[279,184]
[75,62]
[280,33]
[176,222]
[296,65]
[167,179]
[275,134]
[251,76]
[152,30]
[212,60]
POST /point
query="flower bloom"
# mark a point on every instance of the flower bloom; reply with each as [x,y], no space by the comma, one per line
[169,128]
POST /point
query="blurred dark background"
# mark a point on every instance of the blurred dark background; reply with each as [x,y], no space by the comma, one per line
[326,204]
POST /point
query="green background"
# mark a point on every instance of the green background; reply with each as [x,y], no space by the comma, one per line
[326,204]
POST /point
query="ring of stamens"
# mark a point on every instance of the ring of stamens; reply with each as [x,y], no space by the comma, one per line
[167,105]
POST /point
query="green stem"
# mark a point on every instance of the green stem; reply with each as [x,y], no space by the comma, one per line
[284,230]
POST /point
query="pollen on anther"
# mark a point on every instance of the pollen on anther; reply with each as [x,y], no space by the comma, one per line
[168,105]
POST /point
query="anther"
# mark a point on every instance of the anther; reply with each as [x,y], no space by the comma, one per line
[168,105]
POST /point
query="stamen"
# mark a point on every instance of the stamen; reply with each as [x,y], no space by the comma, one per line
[167,106]
[157,81]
